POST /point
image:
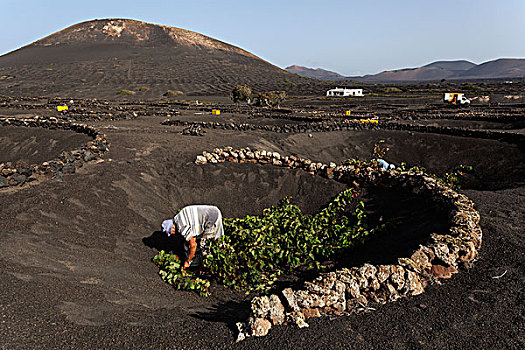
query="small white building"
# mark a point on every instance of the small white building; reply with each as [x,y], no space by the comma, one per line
[344,92]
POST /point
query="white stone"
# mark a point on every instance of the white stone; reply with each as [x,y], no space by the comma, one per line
[200,160]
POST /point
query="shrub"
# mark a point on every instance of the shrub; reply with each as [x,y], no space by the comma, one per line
[270,99]
[392,89]
[471,87]
[144,88]
[241,93]
[173,93]
[288,83]
[125,92]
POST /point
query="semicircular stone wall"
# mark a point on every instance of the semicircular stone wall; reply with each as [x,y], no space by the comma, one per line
[17,174]
[354,289]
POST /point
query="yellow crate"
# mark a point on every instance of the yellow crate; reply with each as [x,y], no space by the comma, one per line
[373,121]
[348,112]
[62,108]
[216,111]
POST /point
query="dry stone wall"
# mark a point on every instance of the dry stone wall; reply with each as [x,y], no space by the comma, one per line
[499,114]
[18,173]
[328,126]
[356,289]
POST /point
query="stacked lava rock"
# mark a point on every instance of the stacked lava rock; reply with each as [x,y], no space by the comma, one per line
[354,289]
[246,155]
[194,130]
[18,173]
[346,125]
[285,128]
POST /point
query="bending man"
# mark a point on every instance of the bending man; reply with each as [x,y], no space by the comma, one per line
[196,223]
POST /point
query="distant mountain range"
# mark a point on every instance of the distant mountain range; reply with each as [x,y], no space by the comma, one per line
[461,69]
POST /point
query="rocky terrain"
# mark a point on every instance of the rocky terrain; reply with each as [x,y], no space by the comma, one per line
[79,232]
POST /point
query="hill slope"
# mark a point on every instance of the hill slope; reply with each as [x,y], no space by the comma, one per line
[97,58]
[500,68]
[460,65]
[461,69]
[318,73]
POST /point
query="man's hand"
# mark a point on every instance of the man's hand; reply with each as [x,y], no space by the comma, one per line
[191,255]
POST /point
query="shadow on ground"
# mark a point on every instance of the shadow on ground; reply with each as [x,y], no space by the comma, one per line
[160,241]
[229,313]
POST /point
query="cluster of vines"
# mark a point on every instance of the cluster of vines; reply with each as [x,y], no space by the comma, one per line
[256,250]
[172,272]
[452,178]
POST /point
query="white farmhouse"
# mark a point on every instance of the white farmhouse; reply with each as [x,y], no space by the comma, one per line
[344,92]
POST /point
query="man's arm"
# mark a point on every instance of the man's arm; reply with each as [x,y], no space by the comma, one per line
[191,255]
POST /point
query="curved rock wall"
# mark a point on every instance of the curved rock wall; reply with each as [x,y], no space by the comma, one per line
[16,174]
[354,289]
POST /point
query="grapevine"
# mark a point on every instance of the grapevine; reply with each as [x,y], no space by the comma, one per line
[256,250]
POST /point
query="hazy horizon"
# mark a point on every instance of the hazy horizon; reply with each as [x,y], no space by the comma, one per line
[347,37]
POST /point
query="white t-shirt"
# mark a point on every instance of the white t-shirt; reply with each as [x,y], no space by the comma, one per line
[196,220]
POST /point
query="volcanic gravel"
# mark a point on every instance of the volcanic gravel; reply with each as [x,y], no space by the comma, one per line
[75,262]
[35,146]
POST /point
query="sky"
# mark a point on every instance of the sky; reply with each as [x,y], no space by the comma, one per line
[349,37]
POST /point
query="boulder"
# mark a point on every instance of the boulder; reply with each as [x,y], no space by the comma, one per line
[276,310]
[421,260]
[17,179]
[289,297]
[414,284]
[353,304]
[383,273]
[88,156]
[445,272]
[298,318]
[201,160]
[242,332]
[398,277]
[309,313]
[260,306]
[259,327]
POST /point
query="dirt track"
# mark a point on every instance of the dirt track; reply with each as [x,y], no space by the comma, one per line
[75,259]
